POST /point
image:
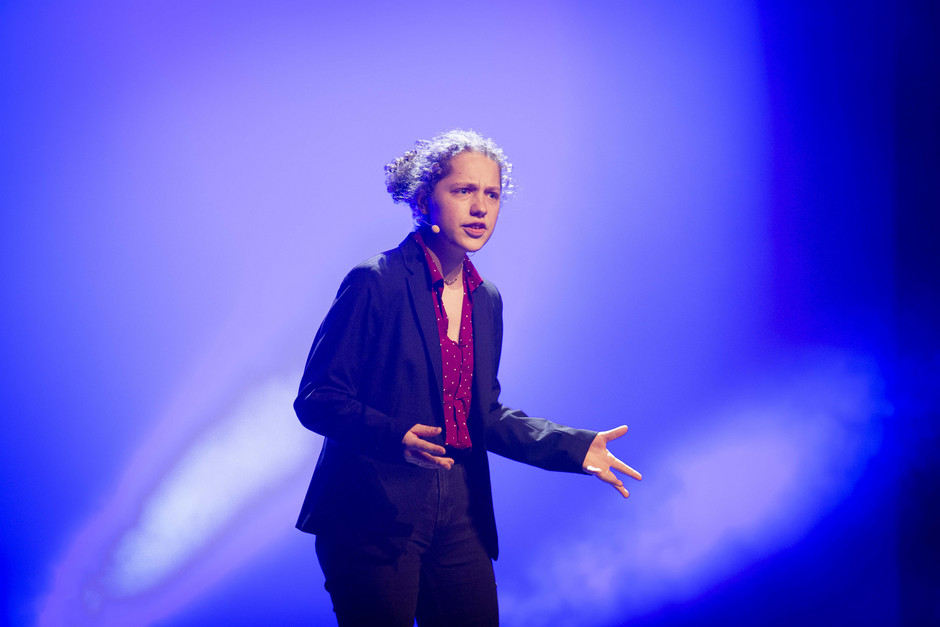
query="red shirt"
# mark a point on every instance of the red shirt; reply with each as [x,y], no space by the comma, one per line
[456,357]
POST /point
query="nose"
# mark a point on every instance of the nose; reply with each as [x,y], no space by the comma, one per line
[478,208]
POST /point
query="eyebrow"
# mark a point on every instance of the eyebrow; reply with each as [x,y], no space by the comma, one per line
[456,184]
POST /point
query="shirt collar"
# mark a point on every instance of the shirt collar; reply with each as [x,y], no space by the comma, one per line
[471,276]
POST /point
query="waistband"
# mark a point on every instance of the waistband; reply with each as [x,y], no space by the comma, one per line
[459,455]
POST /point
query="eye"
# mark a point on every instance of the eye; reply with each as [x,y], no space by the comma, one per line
[493,195]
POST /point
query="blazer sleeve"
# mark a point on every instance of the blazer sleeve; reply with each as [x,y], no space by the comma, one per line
[329,401]
[514,434]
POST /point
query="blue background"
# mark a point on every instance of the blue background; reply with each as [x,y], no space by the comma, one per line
[722,237]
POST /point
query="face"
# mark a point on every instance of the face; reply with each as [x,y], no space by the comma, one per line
[465,203]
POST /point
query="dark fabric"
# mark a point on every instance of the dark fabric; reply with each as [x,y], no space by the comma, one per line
[456,357]
[443,575]
[375,371]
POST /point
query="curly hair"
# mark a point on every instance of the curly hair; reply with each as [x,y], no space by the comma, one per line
[421,168]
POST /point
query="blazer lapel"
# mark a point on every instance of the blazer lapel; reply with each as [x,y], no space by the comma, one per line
[422,305]
[484,343]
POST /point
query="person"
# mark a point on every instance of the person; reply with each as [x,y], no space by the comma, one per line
[401,381]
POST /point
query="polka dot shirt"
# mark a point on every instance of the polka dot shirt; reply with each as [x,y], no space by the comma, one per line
[456,357]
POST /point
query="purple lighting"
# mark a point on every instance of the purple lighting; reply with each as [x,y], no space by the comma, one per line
[707,195]
[749,480]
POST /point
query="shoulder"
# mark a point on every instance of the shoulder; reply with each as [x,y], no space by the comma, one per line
[487,295]
[381,266]
[383,273]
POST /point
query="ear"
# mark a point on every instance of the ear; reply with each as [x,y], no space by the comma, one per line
[421,199]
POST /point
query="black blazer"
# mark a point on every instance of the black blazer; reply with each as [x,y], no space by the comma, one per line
[375,371]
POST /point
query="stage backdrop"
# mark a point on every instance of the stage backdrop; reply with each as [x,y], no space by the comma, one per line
[700,247]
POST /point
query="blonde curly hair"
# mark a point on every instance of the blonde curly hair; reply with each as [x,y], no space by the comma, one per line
[421,168]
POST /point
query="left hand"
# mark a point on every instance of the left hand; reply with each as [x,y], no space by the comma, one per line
[420,452]
[601,463]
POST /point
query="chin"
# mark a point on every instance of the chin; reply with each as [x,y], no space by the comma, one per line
[475,245]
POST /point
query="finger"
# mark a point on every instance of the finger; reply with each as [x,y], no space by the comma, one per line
[613,434]
[608,476]
[427,447]
[425,431]
[415,458]
[431,462]
[625,469]
[443,462]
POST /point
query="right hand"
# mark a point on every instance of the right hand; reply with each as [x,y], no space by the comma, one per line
[420,452]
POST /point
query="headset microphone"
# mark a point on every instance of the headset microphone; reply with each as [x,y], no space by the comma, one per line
[434,228]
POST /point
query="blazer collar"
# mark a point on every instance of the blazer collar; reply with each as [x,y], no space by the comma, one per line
[413,256]
[422,305]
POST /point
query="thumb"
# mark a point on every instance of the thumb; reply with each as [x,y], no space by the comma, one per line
[613,434]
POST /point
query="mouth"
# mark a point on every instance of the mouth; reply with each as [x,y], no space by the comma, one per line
[475,229]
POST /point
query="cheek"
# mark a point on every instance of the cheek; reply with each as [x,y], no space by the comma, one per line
[436,212]
[447,213]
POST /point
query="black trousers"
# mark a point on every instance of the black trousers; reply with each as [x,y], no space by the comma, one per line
[443,577]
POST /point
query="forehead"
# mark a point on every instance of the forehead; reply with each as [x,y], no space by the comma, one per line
[474,166]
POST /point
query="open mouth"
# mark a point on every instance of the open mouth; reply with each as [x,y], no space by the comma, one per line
[475,229]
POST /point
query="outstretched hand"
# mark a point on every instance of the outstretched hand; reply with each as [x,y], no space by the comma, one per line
[601,463]
[420,452]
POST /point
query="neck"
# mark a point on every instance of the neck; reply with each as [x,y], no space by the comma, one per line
[447,260]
